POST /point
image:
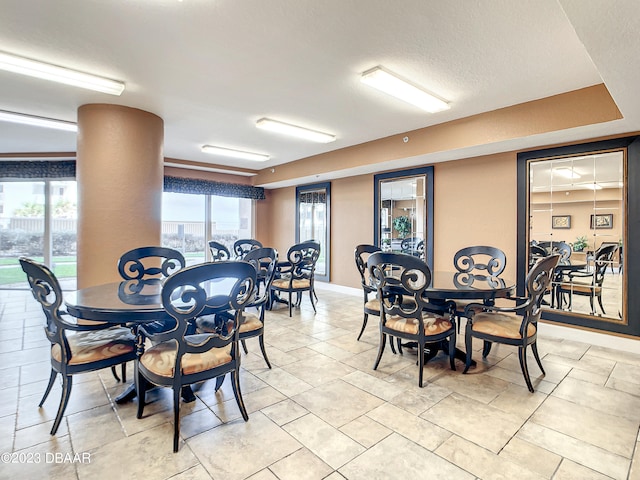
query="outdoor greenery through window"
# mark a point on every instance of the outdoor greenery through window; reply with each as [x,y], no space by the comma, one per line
[38,219]
[190,221]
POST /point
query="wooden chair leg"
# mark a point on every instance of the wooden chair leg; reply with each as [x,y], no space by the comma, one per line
[235,381]
[141,390]
[176,417]
[264,352]
[115,374]
[420,363]
[468,345]
[383,342]
[534,349]
[364,324]
[486,349]
[67,382]
[52,380]
[219,381]
[522,356]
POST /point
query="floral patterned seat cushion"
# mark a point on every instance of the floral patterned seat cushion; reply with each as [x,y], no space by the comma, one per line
[95,345]
[161,359]
[250,323]
[284,283]
[500,325]
[433,325]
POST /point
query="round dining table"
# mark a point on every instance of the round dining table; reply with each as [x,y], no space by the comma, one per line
[130,302]
[446,287]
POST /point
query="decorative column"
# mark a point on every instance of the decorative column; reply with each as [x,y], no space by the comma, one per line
[119,172]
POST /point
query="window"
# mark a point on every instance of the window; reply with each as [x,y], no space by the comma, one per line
[40,226]
[190,221]
[313,222]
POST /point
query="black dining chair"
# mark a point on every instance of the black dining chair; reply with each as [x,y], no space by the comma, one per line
[243,246]
[75,348]
[219,251]
[147,262]
[589,282]
[264,261]
[178,359]
[399,277]
[480,261]
[517,325]
[297,274]
[371,306]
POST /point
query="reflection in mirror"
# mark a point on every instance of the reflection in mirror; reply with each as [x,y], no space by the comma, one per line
[577,210]
[404,212]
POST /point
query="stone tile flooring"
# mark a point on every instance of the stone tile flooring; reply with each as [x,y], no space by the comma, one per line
[322,412]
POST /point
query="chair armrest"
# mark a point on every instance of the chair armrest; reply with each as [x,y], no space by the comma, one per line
[520,303]
[67,325]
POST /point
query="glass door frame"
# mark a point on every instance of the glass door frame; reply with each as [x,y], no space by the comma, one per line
[326,246]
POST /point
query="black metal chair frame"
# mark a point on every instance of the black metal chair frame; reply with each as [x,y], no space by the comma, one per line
[186,297]
[300,266]
[397,276]
[538,282]
[603,258]
[264,260]
[367,288]
[480,261]
[131,267]
[46,290]
[243,246]
[219,251]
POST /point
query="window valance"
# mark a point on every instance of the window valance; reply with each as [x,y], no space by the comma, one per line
[37,169]
[67,169]
[209,187]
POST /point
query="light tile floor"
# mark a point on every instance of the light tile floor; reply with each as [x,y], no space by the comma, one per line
[322,412]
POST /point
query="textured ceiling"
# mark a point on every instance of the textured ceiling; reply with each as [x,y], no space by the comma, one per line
[211,68]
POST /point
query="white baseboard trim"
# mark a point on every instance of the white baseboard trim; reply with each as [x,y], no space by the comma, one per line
[594,338]
[551,330]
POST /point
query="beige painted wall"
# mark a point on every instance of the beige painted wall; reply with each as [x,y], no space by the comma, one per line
[475,204]
[351,225]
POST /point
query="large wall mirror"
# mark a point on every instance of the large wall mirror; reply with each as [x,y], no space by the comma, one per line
[577,202]
[404,212]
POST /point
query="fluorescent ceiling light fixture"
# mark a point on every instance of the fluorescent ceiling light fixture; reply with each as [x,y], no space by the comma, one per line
[229,152]
[394,86]
[566,172]
[294,131]
[592,186]
[46,71]
[37,121]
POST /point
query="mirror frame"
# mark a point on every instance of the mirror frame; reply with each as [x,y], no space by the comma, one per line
[630,323]
[428,227]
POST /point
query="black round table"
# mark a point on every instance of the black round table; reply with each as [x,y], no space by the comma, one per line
[130,302]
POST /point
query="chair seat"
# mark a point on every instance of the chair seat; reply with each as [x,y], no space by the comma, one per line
[250,323]
[586,289]
[161,358]
[500,325]
[432,325]
[96,345]
[283,283]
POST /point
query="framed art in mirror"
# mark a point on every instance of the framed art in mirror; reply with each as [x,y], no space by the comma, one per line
[561,221]
[601,221]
